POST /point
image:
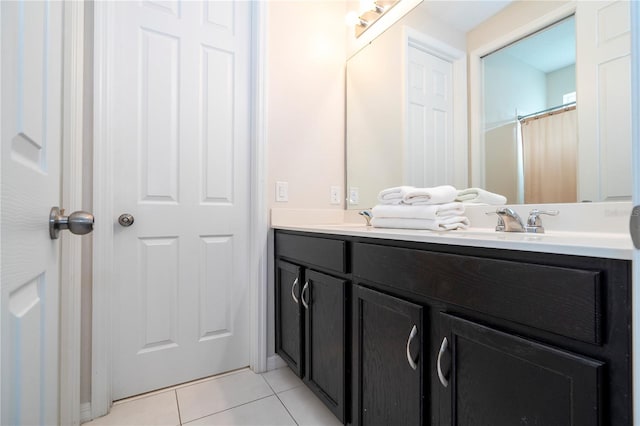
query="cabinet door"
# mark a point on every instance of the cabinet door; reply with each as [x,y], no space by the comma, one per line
[494,378]
[387,360]
[324,299]
[288,286]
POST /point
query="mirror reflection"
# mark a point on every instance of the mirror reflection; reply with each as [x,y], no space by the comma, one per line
[529,104]
[496,151]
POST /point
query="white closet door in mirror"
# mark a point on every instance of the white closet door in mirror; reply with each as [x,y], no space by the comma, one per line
[429,139]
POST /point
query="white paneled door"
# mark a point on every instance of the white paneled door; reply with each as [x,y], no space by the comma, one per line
[31,34]
[603,57]
[429,139]
[180,131]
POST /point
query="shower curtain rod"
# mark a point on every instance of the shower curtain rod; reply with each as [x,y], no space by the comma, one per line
[548,110]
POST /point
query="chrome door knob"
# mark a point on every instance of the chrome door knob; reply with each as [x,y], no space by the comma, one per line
[126,219]
[78,223]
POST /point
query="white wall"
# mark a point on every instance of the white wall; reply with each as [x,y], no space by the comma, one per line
[510,84]
[305,106]
[559,83]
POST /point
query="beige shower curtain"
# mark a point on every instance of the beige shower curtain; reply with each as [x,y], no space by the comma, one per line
[549,147]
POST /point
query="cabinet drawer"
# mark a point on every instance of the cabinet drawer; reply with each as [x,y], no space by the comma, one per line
[322,252]
[561,300]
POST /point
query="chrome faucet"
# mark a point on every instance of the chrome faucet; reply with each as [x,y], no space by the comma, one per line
[367,215]
[510,221]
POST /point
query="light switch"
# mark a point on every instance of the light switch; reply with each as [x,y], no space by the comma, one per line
[354,196]
[282,192]
[335,195]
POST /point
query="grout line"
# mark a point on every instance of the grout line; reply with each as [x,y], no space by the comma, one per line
[287,410]
[282,403]
[178,405]
[230,408]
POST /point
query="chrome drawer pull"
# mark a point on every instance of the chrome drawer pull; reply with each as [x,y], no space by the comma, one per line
[413,333]
[304,302]
[443,349]
[293,290]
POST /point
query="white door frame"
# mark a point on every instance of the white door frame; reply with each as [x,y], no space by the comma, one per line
[635,150]
[71,245]
[101,393]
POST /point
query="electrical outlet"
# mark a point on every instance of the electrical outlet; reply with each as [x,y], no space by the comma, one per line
[335,195]
[354,196]
[282,192]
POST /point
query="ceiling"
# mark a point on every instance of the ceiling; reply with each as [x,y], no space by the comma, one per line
[548,50]
[463,15]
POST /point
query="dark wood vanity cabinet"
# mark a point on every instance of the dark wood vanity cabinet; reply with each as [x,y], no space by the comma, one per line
[452,335]
[388,359]
[325,335]
[496,378]
[310,316]
[289,319]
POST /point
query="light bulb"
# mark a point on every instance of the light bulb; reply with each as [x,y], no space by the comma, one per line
[352,19]
[367,5]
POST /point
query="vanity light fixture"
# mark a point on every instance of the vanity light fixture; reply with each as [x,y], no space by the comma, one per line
[370,14]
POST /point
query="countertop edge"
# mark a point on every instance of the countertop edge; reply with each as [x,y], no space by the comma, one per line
[602,245]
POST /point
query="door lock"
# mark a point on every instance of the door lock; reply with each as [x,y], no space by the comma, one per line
[78,223]
[126,219]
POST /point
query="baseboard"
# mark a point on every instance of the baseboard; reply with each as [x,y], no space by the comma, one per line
[274,362]
[85,412]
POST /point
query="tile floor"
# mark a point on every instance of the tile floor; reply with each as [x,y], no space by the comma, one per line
[240,398]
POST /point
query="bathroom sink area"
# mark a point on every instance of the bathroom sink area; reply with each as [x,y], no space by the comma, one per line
[603,244]
[587,229]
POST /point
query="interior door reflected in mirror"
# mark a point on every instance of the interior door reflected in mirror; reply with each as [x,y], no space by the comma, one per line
[377,155]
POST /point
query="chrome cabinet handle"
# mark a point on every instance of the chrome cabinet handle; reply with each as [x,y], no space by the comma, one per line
[412,335]
[78,223]
[443,349]
[293,290]
[304,302]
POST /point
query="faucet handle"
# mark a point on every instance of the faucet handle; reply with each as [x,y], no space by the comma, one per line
[500,224]
[534,223]
[534,216]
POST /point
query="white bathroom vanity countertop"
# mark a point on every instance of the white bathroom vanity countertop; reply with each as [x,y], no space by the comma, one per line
[594,244]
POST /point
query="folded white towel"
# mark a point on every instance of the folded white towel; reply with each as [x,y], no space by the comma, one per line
[393,195]
[480,196]
[432,211]
[436,195]
[441,224]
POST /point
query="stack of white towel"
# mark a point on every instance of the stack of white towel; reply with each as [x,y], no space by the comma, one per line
[440,208]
